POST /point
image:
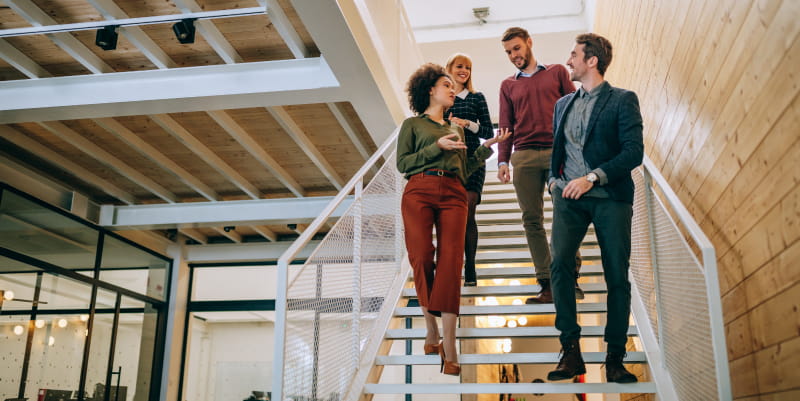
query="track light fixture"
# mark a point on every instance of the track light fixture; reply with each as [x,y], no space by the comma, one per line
[106,37]
[184,30]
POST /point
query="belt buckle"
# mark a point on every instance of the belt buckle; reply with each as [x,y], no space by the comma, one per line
[440,173]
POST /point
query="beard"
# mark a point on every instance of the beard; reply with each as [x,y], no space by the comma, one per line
[525,60]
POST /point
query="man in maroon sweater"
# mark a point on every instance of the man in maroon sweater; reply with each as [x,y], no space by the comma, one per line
[527,100]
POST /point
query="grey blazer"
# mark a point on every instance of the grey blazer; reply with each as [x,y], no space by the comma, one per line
[613,143]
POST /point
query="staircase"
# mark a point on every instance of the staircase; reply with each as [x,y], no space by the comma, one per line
[506,279]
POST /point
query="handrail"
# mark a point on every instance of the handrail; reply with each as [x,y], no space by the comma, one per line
[653,179]
[355,183]
[680,210]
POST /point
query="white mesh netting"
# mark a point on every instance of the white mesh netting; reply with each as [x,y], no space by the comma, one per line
[681,290]
[334,299]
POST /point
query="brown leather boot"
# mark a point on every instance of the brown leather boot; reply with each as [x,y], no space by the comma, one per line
[615,371]
[571,363]
[545,295]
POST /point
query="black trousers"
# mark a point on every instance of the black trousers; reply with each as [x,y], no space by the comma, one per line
[612,224]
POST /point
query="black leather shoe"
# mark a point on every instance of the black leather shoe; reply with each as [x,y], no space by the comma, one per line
[571,363]
[615,371]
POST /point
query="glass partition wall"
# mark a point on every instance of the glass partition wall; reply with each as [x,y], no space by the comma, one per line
[82,310]
[229,343]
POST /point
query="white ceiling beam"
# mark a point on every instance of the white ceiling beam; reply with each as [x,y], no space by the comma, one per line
[172,127]
[293,130]
[286,30]
[260,84]
[229,234]
[210,32]
[34,183]
[21,62]
[266,233]
[252,146]
[62,162]
[333,36]
[133,140]
[86,146]
[349,130]
[149,239]
[247,252]
[135,35]
[218,214]
[194,234]
[49,233]
[74,47]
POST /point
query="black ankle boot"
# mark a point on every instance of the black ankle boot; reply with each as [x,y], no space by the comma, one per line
[571,363]
[615,371]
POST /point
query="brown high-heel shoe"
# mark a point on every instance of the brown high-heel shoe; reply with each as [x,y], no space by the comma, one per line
[447,367]
[432,349]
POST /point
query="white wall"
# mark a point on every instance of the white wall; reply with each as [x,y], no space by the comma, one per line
[226,361]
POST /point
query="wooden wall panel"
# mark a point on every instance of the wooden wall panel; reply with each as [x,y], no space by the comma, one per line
[719,89]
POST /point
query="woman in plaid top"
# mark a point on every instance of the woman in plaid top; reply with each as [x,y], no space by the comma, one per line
[471,113]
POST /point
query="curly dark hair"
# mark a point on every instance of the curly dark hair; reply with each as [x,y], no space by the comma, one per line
[596,46]
[420,83]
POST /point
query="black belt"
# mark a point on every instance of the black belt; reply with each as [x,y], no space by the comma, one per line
[440,173]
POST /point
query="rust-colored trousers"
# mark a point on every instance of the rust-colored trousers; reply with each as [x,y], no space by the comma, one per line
[435,201]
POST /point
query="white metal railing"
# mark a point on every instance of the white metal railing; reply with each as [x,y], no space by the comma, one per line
[675,297]
[332,311]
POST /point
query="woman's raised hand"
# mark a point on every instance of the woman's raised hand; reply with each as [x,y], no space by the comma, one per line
[458,121]
[451,142]
[502,135]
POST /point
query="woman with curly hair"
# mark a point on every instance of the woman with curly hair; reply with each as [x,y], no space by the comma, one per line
[432,155]
[471,113]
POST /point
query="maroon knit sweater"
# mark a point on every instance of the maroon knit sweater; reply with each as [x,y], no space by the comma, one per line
[526,107]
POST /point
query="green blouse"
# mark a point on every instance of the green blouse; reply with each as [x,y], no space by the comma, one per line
[417,150]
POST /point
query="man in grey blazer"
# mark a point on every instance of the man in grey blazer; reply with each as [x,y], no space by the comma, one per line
[598,141]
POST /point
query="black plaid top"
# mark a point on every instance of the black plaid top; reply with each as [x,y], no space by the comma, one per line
[475,109]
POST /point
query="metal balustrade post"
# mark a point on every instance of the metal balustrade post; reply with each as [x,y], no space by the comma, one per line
[717,324]
[654,261]
[358,212]
[280,330]
[399,240]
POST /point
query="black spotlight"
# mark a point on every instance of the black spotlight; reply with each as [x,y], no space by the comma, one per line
[107,37]
[184,30]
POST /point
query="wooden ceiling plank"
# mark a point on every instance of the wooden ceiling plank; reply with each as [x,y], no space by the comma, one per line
[20,61]
[210,32]
[293,130]
[86,146]
[230,234]
[135,35]
[36,17]
[266,233]
[251,144]
[51,156]
[300,228]
[149,151]
[194,234]
[179,132]
[286,30]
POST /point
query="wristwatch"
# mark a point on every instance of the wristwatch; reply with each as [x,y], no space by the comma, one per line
[591,177]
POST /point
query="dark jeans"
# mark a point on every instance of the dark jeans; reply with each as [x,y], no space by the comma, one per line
[612,224]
